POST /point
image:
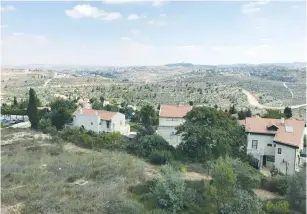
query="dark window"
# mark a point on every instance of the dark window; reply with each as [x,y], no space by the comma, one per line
[108,124]
[269,145]
[274,145]
[91,123]
[99,123]
[254,144]
[270,158]
[279,150]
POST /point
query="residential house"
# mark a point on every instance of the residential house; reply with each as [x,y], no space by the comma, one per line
[275,142]
[169,118]
[100,121]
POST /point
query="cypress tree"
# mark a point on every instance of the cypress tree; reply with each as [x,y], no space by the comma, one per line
[32,111]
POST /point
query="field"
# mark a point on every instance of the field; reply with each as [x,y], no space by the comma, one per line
[157,85]
[43,175]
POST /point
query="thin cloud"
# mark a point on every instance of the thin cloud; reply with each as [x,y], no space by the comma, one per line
[133,17]
[18,34]
[7,8]
[87,11]
[252,7]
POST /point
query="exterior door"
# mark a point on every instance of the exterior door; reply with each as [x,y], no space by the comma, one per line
[264,160]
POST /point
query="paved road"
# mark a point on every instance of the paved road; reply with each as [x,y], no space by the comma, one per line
[26,124]
[47,81]
[254,102]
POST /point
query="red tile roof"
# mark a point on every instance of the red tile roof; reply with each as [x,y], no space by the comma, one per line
[104,115]
[174,111]
[260,125]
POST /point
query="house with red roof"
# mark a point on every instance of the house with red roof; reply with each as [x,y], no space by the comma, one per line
[275,142]
[100,121]
[170,117]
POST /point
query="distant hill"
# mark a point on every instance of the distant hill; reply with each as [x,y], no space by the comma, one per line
[186,65]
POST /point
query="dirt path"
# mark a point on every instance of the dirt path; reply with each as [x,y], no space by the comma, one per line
[47,81]
[254,102]
[289,90]
[266,195]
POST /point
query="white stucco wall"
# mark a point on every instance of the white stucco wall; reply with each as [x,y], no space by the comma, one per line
[170,121]
[167,133]
[263,141]
[89,122]
[117,124]
[287,154]
[167,130]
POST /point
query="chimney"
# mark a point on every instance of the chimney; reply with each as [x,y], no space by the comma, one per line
[282,121]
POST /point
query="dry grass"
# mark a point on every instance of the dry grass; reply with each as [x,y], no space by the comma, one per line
[50,179]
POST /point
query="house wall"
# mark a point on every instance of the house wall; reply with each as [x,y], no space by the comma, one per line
[163,121]
[167,133]
[167,130]
[117,124]
[86,120]
[263,141]
[288,154]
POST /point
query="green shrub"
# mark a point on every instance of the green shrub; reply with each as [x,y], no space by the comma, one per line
[125,207]
[277,184]
[183,169]
[281,207]
[274,171]
[171,192]
[161,157]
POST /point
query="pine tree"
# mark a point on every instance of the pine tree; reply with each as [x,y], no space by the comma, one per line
[15,101]
[32,111]
[288,112]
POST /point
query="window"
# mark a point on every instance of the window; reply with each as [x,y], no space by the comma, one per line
[121,123]
[91,123]
[274,145]
[99,123]
[270,158]
[254,144]
[108,124]
[269,144]
[279,150]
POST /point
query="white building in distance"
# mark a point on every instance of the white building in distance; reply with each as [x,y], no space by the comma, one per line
[275,142]
[169,118]
[101,121]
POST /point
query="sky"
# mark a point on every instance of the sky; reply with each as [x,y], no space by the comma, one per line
[127,33]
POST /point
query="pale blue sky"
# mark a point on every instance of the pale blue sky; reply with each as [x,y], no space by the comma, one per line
[152,33]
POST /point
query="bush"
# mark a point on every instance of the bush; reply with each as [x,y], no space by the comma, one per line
[161,157]
[281,207]
[171,192]
[277,184]
[125,207]
[247,176]
[146,145]
[274,171]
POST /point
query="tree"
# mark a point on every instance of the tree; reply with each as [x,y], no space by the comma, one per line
[171,192]
[248,113]
[225,194]
[241,115]
[280,207]
[209,133]
[272,113]
[61,112]
[288,112]
[147,114]
[296,194]
[191,103]
[232,109]
[15,101]
[102,99]
[32,109]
